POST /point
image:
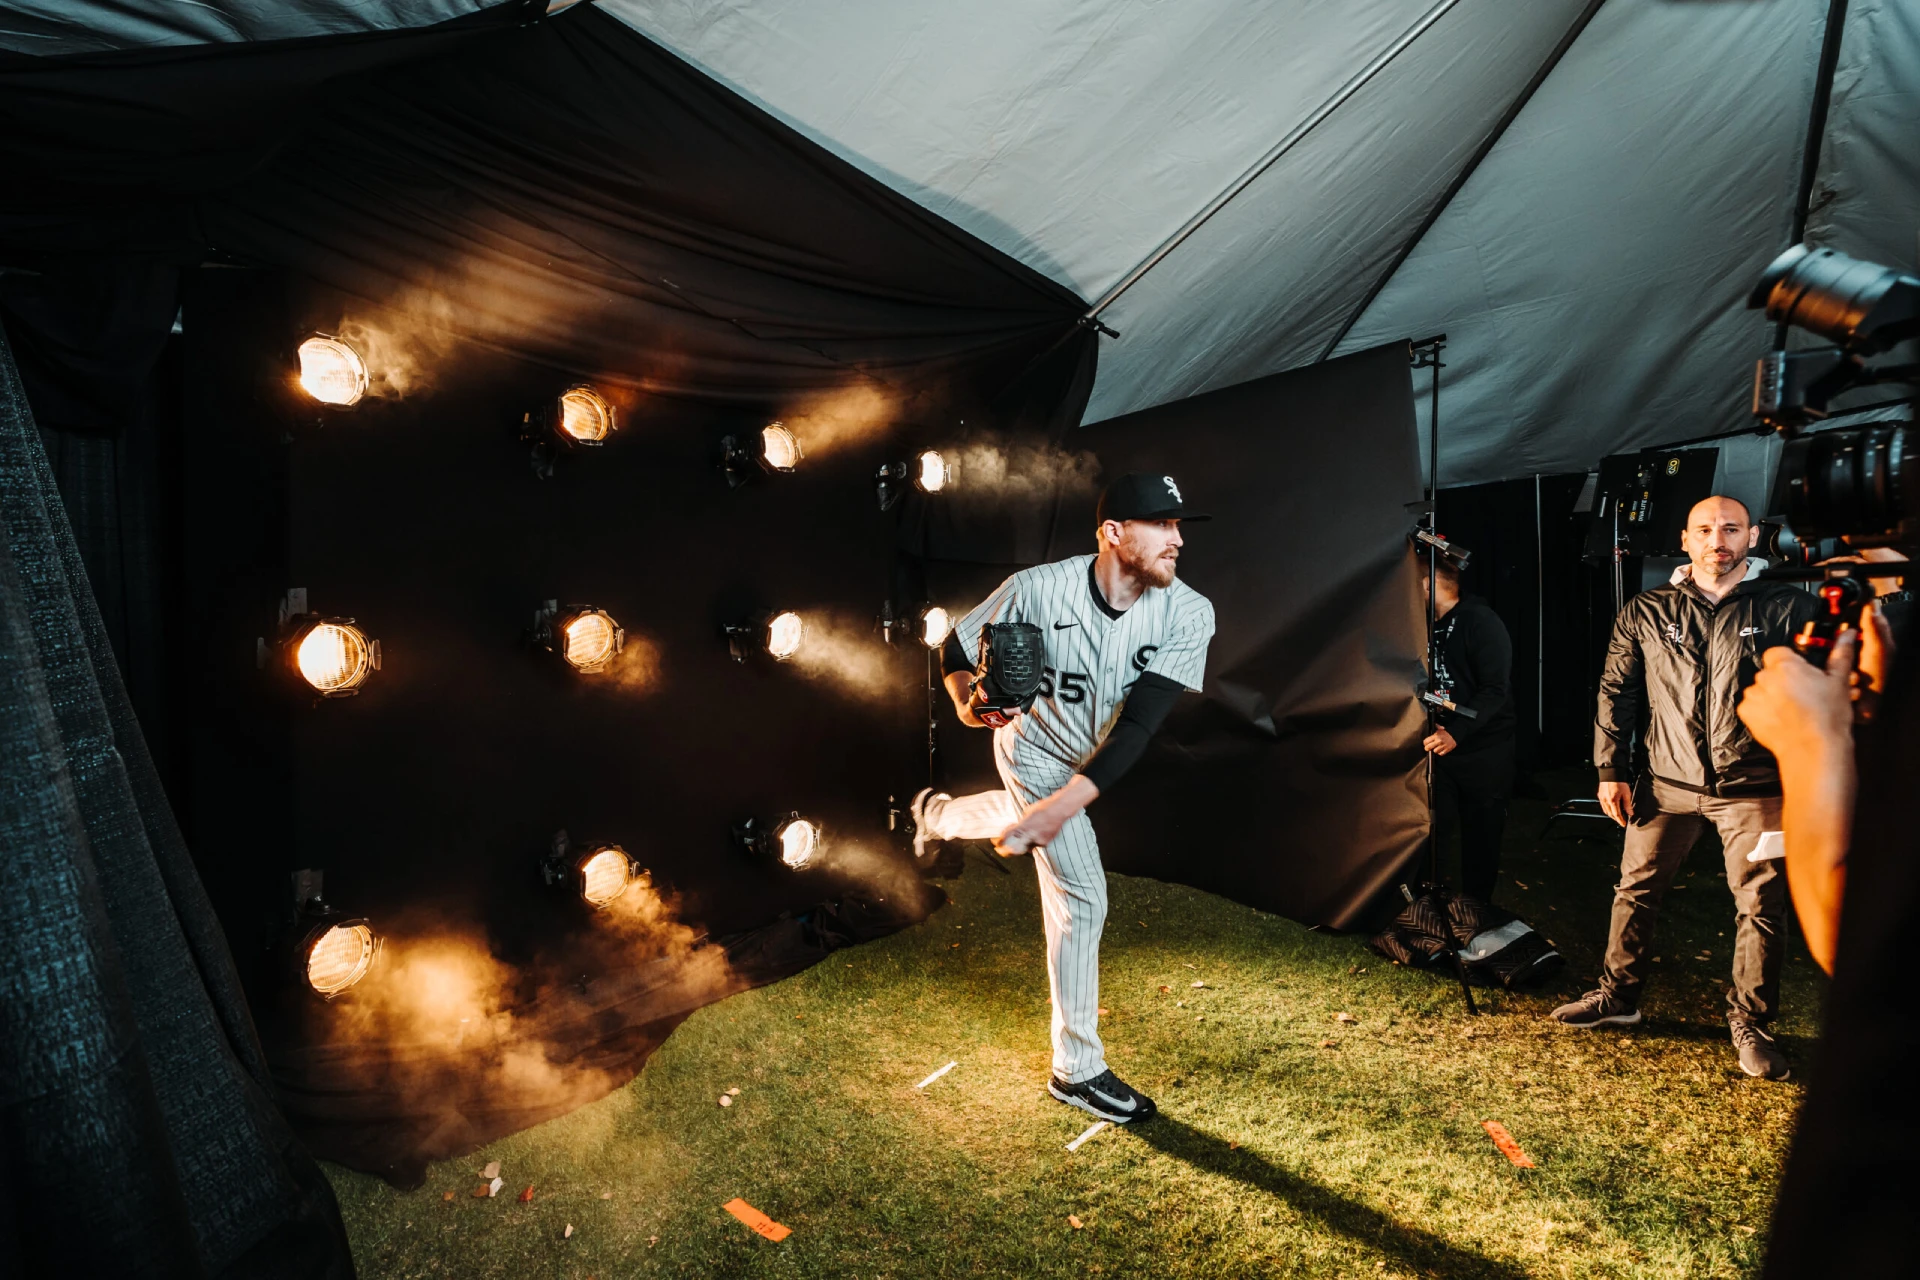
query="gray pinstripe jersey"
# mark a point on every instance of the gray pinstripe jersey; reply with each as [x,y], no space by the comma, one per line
[1093,658]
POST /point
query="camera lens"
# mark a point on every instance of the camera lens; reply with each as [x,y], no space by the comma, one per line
[1863,306]
[1854,482]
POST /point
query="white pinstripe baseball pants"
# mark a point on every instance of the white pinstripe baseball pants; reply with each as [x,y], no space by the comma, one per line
[1073,907]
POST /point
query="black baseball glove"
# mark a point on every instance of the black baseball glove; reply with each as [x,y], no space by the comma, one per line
[1012,657]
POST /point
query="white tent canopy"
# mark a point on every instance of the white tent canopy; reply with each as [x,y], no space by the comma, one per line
[1590,274]
[1579,193]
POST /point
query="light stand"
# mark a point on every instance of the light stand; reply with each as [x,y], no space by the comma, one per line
[1425,354]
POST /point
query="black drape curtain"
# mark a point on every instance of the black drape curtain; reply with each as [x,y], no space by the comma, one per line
[1296,782]
[563,192]
[135,1113]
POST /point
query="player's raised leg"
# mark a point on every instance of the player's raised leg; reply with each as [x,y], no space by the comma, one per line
[939,816]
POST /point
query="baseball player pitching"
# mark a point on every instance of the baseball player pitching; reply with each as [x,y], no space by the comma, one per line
[1118,637]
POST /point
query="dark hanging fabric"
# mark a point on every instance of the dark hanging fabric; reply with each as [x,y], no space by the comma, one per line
[570,196]
[139,1133]
[89,340]
[574,194]
[1295,782]
[108,153]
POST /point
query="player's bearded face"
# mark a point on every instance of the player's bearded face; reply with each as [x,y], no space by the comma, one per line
[1150,550]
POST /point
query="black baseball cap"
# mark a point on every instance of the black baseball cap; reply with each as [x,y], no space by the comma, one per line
[1138,495]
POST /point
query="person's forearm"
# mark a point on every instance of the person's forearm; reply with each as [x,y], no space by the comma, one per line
[960,689]
[1075,796]
[1817,815]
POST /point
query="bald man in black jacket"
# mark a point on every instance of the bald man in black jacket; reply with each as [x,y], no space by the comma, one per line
[1473,756]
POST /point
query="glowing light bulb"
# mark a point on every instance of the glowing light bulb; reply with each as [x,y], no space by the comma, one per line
[605,875]
[933,472]
[339,958]
[585,415]
[334,657]
[799,843]
[592,640]
[779,447]
[331,371]
[934,625]
[784,635]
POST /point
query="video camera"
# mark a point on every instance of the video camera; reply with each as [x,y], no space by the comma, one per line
[1857,483]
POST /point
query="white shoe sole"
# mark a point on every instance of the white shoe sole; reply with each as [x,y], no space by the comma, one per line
[1761,1075]
[1612,1020]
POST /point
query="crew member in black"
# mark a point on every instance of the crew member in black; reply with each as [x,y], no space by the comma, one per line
[1473,755]
[1676,665]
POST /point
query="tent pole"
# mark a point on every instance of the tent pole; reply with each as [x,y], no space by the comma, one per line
[1466,171]
[1540,621]
[1816,130]
[1286,144]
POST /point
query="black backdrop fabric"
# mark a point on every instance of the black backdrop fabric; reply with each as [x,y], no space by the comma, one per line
[135,1107]
[504,214]
[1296,783]
[573,194]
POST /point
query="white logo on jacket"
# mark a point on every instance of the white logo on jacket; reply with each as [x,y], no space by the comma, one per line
[1674,633]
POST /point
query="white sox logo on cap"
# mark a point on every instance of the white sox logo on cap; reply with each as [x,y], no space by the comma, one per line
[1173,489]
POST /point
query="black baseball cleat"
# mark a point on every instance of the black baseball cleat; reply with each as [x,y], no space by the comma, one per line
[1105,1096]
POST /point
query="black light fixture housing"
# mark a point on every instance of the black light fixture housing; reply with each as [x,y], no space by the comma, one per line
[773,450]
[578,418]
[776,634]
[793,842]
[929,471]
[928,625]
[330,657]
[330,952]
[586,639]
[597,873]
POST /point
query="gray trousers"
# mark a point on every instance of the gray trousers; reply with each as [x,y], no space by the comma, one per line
[1657,843]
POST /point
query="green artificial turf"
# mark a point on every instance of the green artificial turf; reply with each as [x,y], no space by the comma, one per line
[1274,1154]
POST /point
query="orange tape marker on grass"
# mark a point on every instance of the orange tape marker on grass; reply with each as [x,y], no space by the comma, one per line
[1504,1140]
[756,1220]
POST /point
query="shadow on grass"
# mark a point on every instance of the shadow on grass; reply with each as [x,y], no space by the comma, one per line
[1416,1248]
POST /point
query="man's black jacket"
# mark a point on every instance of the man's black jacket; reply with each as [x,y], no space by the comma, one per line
[1675,670]
[1475,666]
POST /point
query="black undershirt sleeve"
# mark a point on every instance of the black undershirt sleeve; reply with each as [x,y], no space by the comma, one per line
[952,657]
[1144,711]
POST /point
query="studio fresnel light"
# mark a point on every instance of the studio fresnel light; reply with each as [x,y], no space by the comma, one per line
[774,451]
[330,952]
[777,635]
[785,632]
[929,471]
[585,638]
[934,625]
[580,417]
[599,873]
[332,371]
[794,842]
[333,657]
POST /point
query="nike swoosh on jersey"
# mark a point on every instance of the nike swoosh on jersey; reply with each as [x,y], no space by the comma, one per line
[1062,626]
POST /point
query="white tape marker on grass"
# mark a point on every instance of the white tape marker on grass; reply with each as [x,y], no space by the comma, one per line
[936,1075]
[1092,1129]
